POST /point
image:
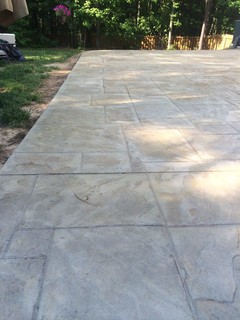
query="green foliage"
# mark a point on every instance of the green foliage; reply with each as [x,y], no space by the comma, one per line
[19,82]
[225,15]
[171,47]
[129,19]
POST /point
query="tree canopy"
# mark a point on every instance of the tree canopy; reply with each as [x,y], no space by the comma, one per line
[125,18]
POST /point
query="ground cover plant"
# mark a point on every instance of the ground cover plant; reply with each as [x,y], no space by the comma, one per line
[19,82]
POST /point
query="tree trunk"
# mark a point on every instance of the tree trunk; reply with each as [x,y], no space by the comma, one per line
[98,39]
[208,7]
[98,31]
[138,12]
[170,27]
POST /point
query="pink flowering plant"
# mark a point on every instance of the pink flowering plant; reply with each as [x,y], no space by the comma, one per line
[62,10]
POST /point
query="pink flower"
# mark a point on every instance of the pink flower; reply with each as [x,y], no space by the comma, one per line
[62,10]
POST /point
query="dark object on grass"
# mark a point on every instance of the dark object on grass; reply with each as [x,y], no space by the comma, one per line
[12,52]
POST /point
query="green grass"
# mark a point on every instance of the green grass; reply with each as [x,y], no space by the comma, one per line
[20,81]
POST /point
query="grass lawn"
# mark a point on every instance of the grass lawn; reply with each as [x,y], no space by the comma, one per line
[20,81]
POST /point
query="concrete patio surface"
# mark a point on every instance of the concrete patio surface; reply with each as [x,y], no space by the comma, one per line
[123,201]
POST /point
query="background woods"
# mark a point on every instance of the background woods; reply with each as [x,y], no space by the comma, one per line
[92,21]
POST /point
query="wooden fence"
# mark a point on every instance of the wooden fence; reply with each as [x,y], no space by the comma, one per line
[217,42]
[108,42]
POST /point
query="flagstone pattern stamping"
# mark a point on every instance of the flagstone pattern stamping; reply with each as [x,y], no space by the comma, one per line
[122,202]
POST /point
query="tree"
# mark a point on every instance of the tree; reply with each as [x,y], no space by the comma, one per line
[225,14]
[128,19]
[208,8]
[172,21]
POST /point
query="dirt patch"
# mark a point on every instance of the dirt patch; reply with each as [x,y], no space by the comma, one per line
[11,137]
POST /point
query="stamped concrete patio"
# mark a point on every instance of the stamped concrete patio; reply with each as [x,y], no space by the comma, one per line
[123,201]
